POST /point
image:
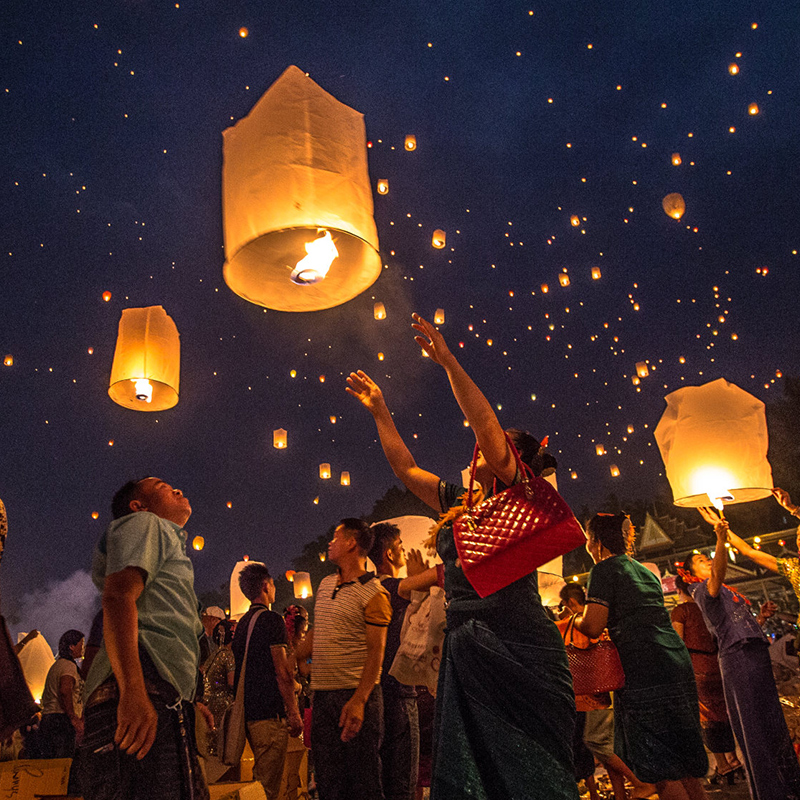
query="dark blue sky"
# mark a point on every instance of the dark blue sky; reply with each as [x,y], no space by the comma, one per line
[110,180]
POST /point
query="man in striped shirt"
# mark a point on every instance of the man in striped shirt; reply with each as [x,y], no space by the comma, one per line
[351,615]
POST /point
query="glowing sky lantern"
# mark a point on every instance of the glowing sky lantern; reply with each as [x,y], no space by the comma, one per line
[411,142]
[563,279]
[438,317]
[302,585]
[733,68]
[145,373]
[439,239]
[752,109]
[674,205]
[325,471]
[642,370]
[8,360]
[544,288]
[106,296]
[198,543]
[676,159]
[297,200]
[596,274]
[289,575]
[243,32]
[383,186]
[600,449]
[614,469]
[574,220]
[279,438]
[379,311]
[713,440]
[36,658]
[345,479]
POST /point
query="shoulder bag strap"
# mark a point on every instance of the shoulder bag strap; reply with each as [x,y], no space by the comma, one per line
[240,688]
[522,468]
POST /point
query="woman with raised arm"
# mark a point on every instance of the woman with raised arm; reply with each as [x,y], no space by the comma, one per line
[505,709]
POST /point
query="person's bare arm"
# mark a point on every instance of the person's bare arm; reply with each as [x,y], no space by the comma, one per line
[352,716]
[417,583]
[304,649]
[285,677]
[422,483]
[136,717]
[66,685]
[764,559]
[593,621]
[719,564]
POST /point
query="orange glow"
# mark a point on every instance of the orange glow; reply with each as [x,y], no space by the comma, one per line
[8,361]
[279,438]
[106,296]
[198,542]
[733,68]
[243,32]
[383,186]
[325,471]
[752,109]
[411,142]
[676,159]
[379,311]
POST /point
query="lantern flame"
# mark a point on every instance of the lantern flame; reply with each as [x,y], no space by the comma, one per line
[713,482]
[143,389]
[313,267]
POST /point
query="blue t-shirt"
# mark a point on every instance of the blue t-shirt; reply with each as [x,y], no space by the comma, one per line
[727,617]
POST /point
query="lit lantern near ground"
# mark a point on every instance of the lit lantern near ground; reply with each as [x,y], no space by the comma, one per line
[345,479]
[676,159]
[302,585]
[198,542]
[279,439]
[379,311]
[752,109]
[145,373]
[596,274]
[297,200]
[614,469]
[239,603]
[544,288]
[673,205]
[642,370]
[325,471]
[383,186]
[411,142]
[106,296]
[574,220]
[36,658]
[438,317]
[713,440]
[563,279]
[600,449]
[8,361]
[439,239]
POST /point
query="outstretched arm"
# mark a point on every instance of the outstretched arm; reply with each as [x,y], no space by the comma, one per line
[764,559]
[423,484]
[719,564]
[488,431]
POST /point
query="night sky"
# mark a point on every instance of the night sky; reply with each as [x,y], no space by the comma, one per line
[525,116]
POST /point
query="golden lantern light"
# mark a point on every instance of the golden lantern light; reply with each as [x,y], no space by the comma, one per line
[279,438]
[36,658]
[289,575]
[673,205]
[642,370]
[411,142]
[596,274]
[752,109]
[145,373]
[345,479]
[323,556]
[438,317]
[439,239]
[198,542]
[297,200]
[563,279]
[325,471]
[574,475]
[733,68]
[302,585]
[600,449]
[383,186]
[676,159]
[243,32]
[380,356]
[630,428]
[635,380]
[379,311]
[544,288]
[332,418]
[614,469]
[713,440]
[8,360]
[574,220]
[95,514]
[106,296]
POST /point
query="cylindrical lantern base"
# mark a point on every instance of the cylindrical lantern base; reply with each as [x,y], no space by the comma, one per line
[261,271]
[124,393]
[738,495]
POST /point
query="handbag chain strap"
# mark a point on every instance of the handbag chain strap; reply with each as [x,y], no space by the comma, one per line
[522,468]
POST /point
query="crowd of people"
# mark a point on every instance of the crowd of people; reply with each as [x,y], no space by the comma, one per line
[504,723]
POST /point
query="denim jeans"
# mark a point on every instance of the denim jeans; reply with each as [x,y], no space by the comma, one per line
[400,748]
[346,770]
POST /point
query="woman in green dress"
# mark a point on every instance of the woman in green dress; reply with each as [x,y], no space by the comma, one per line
[656,715]
[505,711]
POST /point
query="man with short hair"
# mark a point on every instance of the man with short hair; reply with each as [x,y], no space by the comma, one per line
[269,699]
[139,724]
[351,614]
[400,748]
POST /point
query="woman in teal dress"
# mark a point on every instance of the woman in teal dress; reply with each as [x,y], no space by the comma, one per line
[656,716]
[505,710]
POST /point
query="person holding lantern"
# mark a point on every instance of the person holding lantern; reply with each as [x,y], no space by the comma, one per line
[656,716]
[750,693]
[505,711]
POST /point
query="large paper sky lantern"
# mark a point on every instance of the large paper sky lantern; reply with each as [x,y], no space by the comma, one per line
[145,374]
[239,603]
[713,439]
[297,201]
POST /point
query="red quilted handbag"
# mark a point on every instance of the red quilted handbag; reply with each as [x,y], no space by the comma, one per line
[514,532]
[596,668]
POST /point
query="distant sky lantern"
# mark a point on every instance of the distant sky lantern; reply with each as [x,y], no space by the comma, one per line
[145,373]
[713,440]
[563,279]
[279,440]
[614,469]
[574,475]
[733,68]
[379,311]
[383,186]
[95,514]
[630,428]
[596,274]
[243,32]
[438,317]
[676,159]
[297,200]
[325,471]
[411,142]
[345,479]
[289,575]
[439,239]
[198,543]
[600,449]
[752,109]
[544,288]
[674,205]
[90,350]
[642,369]
[8,360]
[380,356]
[106,296]
[574,220]
[302,585]
[635,380]
[332,419]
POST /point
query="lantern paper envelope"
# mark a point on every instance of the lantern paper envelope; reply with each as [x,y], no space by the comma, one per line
[294,168]
[145,374]
[713,439]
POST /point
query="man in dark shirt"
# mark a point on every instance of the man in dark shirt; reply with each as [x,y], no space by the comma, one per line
[269,699]
[400,747]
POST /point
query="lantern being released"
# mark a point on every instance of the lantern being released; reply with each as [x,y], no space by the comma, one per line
[145,373]
[297,200]
[302,585]
[673,205]
[713,439]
